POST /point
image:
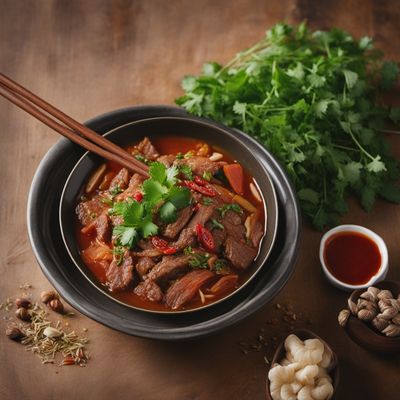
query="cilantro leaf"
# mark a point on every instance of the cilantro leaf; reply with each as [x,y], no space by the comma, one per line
[125,235]
[153,191]
[158,172]
[168,212]
[179,196]
[389,73]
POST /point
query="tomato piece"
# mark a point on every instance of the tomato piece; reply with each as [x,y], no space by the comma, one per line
[138,196]
[205,238]
[163,245]
[234,174]
[206,190]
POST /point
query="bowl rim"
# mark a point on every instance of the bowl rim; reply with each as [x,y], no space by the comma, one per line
[274,227]
[383,268]
[128,324]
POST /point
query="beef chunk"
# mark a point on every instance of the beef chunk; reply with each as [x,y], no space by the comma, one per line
[185,239]
[101,225]
[120,276]
[185,289]
[133,187]
[199,164]
[255,229]
[239,254]
[234,225]
[203,214]
[149,290]
[219,236]
[171,230]
[151,252]
[167,160]
[120,180]
[225,284]
[144,265]
[169,268]
[147,149]
[88,211]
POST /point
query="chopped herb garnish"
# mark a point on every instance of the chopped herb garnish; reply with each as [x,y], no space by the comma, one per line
[186,172]
[207,175]
[142,158]
[219,264]
[188,250]
[179,156]
[199,260]
[233,207]
[93,215]
[207,201]
[189,154]
[118,252]
[216,225]
[116,190]
[106,200]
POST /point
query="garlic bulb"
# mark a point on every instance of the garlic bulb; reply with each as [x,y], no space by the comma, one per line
[303,372]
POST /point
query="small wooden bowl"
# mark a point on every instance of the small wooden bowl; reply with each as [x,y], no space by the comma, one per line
[304,334]
[364,334]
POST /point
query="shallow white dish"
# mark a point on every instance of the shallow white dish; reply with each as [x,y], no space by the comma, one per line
[382,271]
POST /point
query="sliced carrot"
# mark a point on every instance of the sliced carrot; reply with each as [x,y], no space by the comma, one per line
[234,174]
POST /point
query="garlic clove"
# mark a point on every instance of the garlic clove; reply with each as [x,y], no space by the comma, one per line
[392,330]
[352,306]
[343,317]
[379,323]
[51,332]
[385,294]
[366,315]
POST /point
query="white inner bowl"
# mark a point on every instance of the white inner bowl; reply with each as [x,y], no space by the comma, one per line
[383,268]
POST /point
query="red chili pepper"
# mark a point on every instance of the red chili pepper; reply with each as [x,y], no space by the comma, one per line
[206,190]
[163,245]
[205,238]
[200,181]
[138,196]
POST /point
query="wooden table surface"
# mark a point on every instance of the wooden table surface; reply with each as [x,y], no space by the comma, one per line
[89,57]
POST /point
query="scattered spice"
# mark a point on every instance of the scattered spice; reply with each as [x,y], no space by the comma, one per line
[42,337]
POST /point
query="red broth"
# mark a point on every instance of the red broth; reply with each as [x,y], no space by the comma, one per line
[352,257]
[165,145]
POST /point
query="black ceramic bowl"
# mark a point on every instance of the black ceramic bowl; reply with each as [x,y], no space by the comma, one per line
[168,126]
[51,253]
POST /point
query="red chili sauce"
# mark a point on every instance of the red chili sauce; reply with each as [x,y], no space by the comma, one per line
[352,257]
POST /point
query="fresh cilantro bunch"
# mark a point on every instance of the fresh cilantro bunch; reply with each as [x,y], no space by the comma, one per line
[138,217]
[311,99]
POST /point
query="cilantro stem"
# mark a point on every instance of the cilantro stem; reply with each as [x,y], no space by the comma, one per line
[359,145]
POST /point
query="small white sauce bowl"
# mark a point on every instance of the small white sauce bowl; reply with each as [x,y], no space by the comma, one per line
[379,276]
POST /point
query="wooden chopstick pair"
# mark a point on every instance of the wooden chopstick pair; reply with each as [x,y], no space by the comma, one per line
[72,129]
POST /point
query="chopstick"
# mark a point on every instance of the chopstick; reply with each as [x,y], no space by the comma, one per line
[72,129]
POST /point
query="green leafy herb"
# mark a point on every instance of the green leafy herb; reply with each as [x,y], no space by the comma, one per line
[233,207]
[188,250]
[216,225]
[116,190]
[118,252]
[220,264]
[186,171]
[137,222]
[161,187]
[179,156]
[142,158]
[207,175]
[199,260]
[311,98]
[207,201]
